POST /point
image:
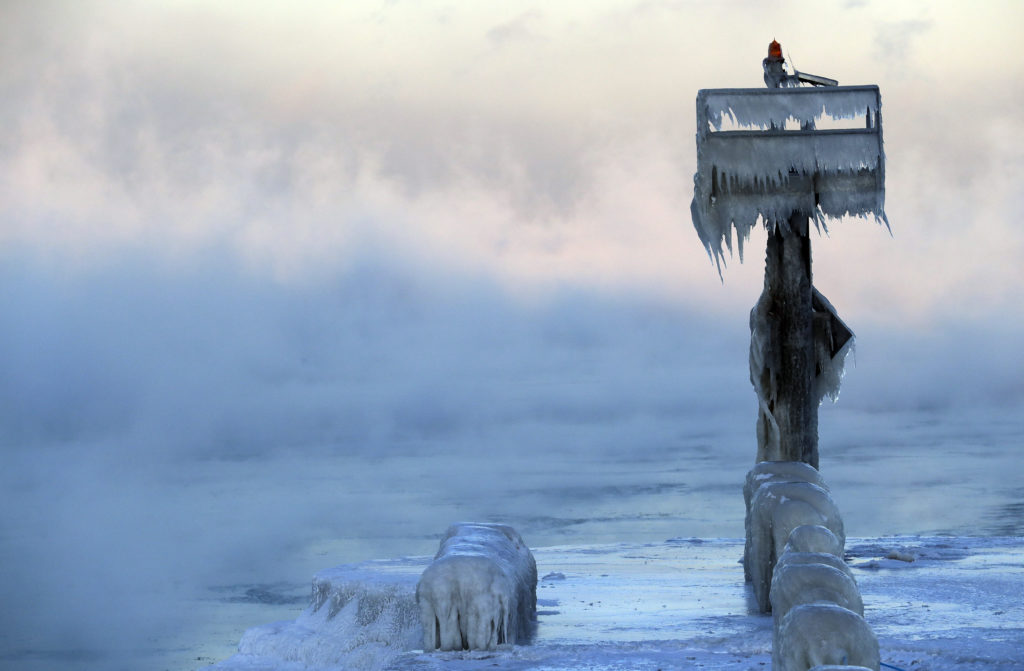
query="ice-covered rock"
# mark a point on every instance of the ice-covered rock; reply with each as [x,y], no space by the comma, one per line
[480,591]
[775,511]
[817,634]
[773,471]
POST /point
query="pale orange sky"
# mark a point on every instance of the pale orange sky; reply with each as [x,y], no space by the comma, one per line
[538,143]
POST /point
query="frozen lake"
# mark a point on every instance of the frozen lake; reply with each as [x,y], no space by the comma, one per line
[672,605]
[891,473]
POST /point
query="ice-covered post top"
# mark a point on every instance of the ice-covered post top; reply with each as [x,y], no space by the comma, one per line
[762,155]
[786,156]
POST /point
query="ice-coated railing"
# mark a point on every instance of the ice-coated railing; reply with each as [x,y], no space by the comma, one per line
[757,169]
[764,108]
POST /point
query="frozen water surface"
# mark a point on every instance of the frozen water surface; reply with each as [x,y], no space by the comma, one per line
[151,516]
[683,603]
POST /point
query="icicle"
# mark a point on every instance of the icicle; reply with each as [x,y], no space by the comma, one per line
[767,108]
[748,176]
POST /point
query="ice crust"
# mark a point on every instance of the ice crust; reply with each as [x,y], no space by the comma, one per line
[766,173]
[681,604]
[480,591]
[358,619]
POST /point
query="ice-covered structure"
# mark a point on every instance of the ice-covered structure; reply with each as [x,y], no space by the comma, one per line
[772,471]
[831,340]
[819,634]
[480,591]
[761,156]
[812,539]
[776,510]
[358,618]
[794,584]
[785,157]
[764,472]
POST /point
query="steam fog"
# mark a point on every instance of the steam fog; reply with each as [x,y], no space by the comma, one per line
[284,287]
[166,431]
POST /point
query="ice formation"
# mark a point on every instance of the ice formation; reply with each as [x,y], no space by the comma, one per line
[813,539]
[765,472]
[832,341]
[776,510]
[764,172]
[357,619]
[480,591]
[794,584]
[611,611]
[824,634]
[772,471]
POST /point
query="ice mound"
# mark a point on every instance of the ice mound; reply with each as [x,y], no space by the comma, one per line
[766,472]
[776,510]
[819,634]
[480,591]
[358,618]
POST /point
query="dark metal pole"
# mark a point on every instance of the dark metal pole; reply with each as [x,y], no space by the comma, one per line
[787,282]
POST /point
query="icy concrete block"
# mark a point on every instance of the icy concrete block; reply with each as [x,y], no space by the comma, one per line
[480,591]
[797,584]
[775,511]
[772,471]
[813,538]
[818,634]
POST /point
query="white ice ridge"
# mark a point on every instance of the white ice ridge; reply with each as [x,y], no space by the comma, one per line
[766,173]
[357,619]
[480,591]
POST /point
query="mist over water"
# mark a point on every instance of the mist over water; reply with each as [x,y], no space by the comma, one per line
[181,442]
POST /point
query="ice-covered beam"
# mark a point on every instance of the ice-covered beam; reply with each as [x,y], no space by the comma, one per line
[765,108]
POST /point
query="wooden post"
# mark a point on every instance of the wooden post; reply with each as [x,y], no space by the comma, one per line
[787,283]
[798,343]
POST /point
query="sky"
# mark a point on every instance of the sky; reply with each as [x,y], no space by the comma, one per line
[228,228]
[535,146]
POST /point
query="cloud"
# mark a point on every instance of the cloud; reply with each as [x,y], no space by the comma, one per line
[894,39]
[180,128]
[518,29]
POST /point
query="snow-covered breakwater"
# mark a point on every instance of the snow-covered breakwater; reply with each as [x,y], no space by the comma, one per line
[672,605]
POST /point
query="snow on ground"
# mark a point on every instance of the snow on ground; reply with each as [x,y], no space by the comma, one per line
[934,603]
